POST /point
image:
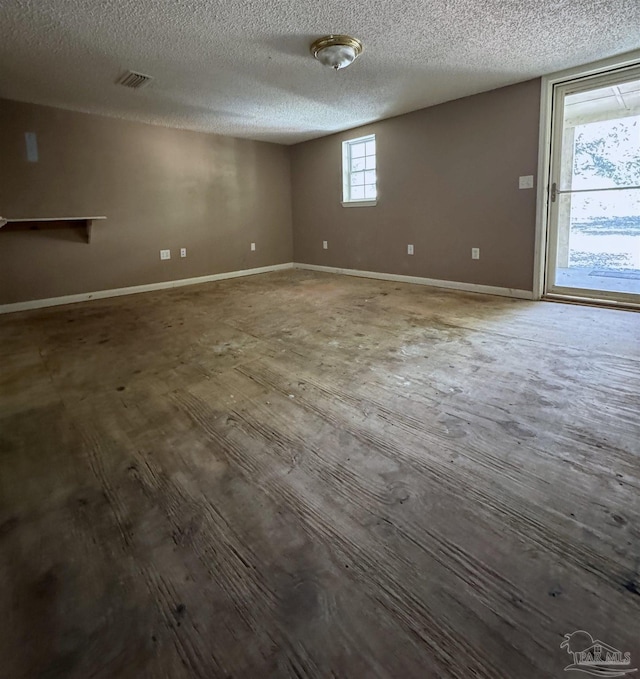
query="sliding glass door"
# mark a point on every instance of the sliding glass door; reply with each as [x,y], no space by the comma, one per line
[594,220]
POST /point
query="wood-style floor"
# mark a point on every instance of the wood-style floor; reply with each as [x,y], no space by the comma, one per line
[308,475]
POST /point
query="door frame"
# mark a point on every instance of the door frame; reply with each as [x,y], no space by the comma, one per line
[543,205]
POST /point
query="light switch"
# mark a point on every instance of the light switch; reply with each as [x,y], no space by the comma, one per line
[253,247]
[409,249]
[526,182]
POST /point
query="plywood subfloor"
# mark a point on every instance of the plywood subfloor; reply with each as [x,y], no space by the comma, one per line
[307,475]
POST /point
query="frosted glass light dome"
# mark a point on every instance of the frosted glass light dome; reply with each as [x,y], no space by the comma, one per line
[336,51]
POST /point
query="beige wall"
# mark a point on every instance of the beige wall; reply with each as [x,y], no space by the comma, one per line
[447,182]
[159,188]
[447,179]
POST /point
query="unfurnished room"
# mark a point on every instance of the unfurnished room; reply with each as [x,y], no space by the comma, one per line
[319,339]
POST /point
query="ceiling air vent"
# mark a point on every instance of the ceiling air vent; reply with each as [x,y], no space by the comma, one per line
[134,80]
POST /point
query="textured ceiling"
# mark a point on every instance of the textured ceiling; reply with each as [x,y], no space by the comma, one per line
[243,68]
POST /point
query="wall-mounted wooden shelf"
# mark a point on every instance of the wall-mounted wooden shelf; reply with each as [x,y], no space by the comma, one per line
[38,223]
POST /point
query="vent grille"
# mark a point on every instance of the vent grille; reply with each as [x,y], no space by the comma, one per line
[134,80]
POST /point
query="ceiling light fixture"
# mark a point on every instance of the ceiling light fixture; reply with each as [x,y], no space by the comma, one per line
[337,51]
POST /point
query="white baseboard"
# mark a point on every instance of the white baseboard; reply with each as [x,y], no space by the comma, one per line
[452,285]
[117,292]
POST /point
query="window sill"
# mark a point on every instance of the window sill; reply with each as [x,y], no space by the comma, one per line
[359,203]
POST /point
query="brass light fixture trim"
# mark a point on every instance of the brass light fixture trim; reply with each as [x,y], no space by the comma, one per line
[337,51]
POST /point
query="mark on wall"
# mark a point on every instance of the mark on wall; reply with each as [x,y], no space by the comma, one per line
[32,146]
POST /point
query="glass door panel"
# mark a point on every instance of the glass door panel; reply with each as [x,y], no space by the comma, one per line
[594,234]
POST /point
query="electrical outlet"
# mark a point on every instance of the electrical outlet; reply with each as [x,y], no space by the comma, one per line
[409,249]
[183,252]
[165,254]
[253,247]
[325,245]
[525,182]
[475,253]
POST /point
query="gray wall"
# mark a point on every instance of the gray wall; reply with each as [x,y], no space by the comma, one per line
[447,182]
[159,188]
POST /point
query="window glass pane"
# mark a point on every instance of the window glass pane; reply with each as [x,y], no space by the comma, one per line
[357,164]
[370,191]
[359,169]
[358,150]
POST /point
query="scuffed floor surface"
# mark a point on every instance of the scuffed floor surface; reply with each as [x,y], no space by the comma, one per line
[309,475]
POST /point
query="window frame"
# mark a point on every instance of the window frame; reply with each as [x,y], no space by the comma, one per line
[347,200]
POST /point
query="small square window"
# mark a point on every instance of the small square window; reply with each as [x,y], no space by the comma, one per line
[359,179]
[358,150]
[358,164]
